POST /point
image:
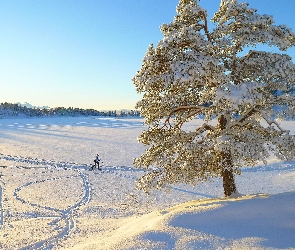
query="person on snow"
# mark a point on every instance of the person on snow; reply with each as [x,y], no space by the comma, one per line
[96,162]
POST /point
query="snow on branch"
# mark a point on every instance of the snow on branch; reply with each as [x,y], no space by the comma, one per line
[253,110]
[193,109]
[269,122]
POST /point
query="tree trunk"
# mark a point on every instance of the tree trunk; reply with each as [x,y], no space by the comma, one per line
[229,185]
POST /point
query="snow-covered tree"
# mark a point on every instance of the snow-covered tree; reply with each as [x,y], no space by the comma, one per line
[217,74]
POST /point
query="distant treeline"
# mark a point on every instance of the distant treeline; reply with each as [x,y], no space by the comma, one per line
[10,109]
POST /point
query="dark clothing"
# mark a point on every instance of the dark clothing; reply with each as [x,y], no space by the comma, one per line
[96,162]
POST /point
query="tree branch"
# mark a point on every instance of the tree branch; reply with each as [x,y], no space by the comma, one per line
[247,115]
[273,122]
[203,128]
[206,28]
[269,122]
[196,109]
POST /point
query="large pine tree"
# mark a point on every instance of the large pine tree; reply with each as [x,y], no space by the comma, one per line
[194,71]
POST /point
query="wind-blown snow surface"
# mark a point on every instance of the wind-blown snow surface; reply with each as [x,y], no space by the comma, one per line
[51,200]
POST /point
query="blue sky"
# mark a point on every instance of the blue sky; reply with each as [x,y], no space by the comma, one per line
[75,53]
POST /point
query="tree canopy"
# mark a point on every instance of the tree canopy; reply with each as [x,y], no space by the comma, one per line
[217,74]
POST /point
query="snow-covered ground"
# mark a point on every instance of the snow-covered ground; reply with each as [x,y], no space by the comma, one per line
[51,200]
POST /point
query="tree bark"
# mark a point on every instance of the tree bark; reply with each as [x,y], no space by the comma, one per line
[229,186]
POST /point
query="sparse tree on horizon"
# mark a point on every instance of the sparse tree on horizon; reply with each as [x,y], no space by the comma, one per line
[217,74]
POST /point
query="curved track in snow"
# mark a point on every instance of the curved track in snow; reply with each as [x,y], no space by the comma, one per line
[65,217]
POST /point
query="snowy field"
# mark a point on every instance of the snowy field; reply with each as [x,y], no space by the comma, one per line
[50,199]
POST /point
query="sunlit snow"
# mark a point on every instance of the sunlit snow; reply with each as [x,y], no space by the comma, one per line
[51,200]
